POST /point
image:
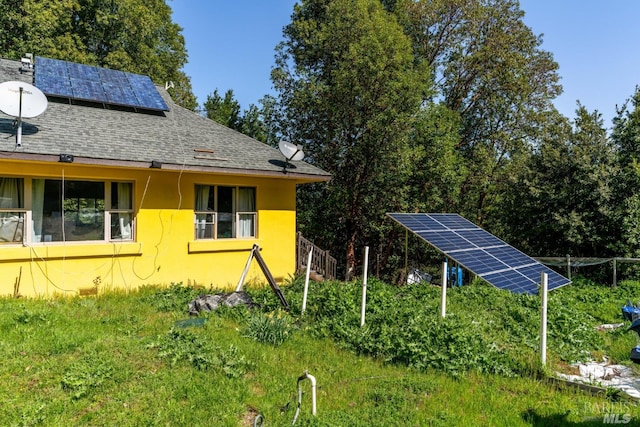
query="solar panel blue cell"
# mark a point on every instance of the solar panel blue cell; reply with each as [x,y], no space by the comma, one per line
[88,89]
[121,95]
[513,281]
[418,222]
[83,72]
[554,280]
[511,255]
[453,221]
[481,238]
[52,84]
[446,240]
[146,92]
[115,77]
[478,261]
[51,66]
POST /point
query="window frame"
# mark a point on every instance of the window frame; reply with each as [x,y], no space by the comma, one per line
[210,229]
[105,215]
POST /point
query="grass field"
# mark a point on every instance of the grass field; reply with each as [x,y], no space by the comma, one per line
[120,360]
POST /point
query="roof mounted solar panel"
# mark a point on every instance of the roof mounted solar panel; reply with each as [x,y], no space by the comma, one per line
[480,252]
[101,85]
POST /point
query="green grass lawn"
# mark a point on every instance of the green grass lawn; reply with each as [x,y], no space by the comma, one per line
[119,360]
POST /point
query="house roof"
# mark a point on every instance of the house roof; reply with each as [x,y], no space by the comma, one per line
[179,139]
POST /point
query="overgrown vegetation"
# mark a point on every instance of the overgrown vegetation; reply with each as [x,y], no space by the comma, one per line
[122,360]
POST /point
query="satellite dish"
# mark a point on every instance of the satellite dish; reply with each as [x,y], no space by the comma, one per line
[19,99]
[291,151]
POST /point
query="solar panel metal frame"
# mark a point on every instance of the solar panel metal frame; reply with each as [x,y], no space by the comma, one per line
[479,251]
[102,85]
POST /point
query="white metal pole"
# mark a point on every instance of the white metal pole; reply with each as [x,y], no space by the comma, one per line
[246,270]
[364,284]
[306,281]
[443,301]
[543,316]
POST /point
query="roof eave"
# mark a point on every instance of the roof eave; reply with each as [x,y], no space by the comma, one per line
[79,160]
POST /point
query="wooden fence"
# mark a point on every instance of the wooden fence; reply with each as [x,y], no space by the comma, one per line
[321,262]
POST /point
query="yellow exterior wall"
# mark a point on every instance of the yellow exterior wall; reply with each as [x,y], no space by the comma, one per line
[165,250]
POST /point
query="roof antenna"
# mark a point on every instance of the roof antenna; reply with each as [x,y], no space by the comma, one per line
[27,63]
[290,152]
[20,99]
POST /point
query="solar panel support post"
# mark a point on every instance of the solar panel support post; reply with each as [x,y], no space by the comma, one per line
[615,272]
[306,281]
[364,285]
[544,281]
[443,300]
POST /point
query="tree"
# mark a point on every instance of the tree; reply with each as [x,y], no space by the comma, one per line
[488,67]
[225,111]
[137,36]
[626,138]
[349,89]
[563,203]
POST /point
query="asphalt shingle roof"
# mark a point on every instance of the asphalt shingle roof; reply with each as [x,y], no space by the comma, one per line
[179,138]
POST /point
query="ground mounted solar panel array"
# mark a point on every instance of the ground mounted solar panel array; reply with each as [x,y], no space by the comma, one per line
[87,83]
[480,252]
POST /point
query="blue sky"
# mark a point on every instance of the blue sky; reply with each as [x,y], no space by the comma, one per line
[595,42]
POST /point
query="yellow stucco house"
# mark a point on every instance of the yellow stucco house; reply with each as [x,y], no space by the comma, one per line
[115,186]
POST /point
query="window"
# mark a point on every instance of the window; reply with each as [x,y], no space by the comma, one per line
[121,213]
[68,211]
[12,210]
[223,212]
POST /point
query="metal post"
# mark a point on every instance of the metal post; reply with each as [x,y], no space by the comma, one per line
[543,318]
[406,254]
[364,284]
[443,301]
[569,267]
[615,273]
[306,281]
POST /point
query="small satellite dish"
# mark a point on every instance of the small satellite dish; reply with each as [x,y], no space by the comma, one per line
[20,99]
[291,151]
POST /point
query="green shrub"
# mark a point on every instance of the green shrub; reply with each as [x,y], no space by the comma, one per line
[84,376]
[183,345]
[272,328]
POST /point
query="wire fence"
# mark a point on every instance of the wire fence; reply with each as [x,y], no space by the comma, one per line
[568,262]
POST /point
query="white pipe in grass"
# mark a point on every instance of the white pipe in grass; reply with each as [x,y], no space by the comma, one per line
[364,284]
[306,281]
[306,376]
[443,300]
[544,280]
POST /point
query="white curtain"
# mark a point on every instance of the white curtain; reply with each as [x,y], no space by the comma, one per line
[246,207]
[124,202]
[11,223]
[10,193]
[202,205]
[202,197]
[37,205]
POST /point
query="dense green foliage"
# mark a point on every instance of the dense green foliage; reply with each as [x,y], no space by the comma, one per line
[136,359]
[226,111]
[485,330]
[476,134]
